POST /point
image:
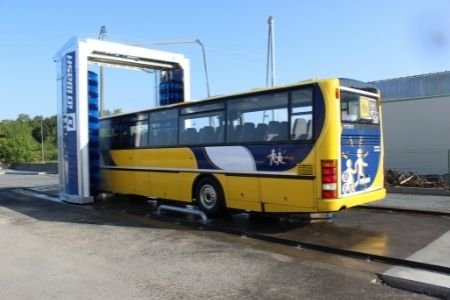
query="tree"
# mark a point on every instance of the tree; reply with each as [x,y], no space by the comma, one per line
[107,112]
[24,118]
[16,141]
[49,135]
[49,129]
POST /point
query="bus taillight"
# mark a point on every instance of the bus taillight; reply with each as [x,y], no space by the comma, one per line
[329,179]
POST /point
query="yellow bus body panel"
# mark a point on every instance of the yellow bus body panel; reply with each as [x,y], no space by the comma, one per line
[288,192]
[164,183]
[243,189]
[177,158]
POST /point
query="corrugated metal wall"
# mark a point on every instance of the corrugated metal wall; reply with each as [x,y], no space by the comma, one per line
[420,86]
[416,119]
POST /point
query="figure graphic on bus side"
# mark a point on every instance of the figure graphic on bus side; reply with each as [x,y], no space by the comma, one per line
[349,184]
[273,157]
[348,179]
[276,158]
[360,164]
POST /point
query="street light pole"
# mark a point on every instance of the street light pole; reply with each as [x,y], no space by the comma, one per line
[198,42]
[204,66]
[101,36]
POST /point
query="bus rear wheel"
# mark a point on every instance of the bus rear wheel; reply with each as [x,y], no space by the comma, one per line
[209,197]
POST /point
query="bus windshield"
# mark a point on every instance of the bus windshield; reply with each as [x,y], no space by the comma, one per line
[356,108]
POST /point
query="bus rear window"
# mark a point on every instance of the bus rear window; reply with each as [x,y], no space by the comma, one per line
[357,108]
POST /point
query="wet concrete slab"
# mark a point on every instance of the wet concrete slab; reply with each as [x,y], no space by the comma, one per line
[437,252]
[400,235]
[375,232]
[82,252]
[383,233]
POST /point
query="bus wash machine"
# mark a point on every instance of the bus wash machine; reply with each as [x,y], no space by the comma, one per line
[78,106]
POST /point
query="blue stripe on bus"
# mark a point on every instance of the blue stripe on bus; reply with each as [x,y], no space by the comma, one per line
[276,157]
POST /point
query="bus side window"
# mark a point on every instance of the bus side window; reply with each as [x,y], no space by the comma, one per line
[201,128]
[283,133]
[301,115]
[163,128]
[143,135]
[125,136]
[260,118]
[140,134]
[300,129]
[189,136]
[260,131]
[273,131]
[248,132]
[207,135]
[235,133]
[109,135]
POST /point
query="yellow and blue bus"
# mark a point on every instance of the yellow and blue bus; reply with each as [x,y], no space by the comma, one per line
[314,146]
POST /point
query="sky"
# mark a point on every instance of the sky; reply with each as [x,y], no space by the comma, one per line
[364,40]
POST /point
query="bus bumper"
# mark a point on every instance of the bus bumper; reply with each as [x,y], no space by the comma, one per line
[327,205]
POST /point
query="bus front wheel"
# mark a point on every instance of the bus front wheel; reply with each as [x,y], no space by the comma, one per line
[209,197]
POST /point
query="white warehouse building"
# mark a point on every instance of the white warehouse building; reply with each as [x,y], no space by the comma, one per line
[416,114]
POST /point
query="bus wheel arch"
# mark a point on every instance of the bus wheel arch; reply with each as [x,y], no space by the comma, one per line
[208,194]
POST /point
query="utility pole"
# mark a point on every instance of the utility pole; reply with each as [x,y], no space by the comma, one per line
[101,36]
[270,54]
[42,142]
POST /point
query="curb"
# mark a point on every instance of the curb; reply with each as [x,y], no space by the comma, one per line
[12,172]
[416,286]
[418,191]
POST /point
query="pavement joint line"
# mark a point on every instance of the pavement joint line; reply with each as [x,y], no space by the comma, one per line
[37,195]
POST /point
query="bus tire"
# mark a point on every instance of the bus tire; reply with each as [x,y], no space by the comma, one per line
[209,196]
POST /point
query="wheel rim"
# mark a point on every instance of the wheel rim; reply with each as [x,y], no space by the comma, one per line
[208,196]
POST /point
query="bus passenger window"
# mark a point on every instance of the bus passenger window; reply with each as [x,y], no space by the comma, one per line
[140,134]
[300,129]
[260,118]
[202,128]
[260,131]
[273,131]
[189,136]
[163,128]
[302,115]
[127,133]
[109,135]
[207,135]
